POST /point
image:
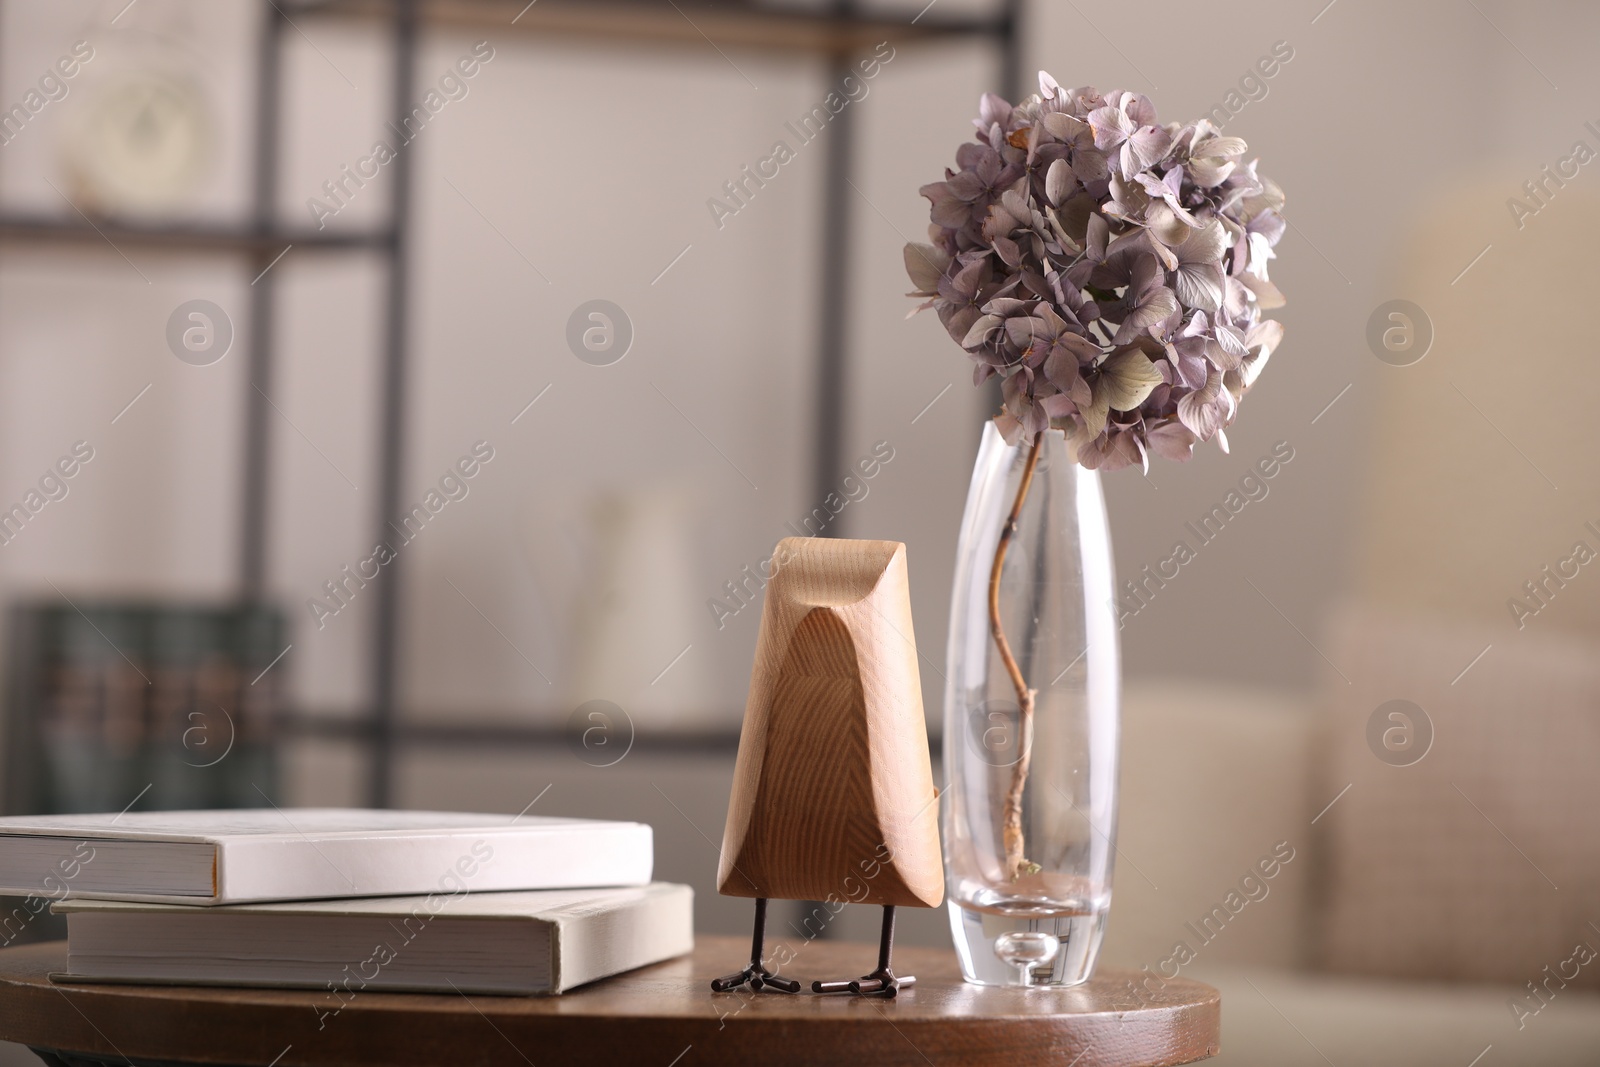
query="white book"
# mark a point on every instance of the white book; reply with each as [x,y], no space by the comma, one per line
[509,943]
[225,857]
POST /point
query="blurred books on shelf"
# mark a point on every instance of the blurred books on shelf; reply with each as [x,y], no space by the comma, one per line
[146,705]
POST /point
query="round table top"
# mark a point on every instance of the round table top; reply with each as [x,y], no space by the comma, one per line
[664,1015]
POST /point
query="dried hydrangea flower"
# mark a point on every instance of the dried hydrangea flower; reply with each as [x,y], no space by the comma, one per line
[1111,270]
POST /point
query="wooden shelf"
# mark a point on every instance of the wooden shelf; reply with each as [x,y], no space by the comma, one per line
[186,237]
[479,730]
[485,731]
[684,22]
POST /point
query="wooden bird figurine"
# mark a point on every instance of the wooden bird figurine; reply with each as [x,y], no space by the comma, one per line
[833,795]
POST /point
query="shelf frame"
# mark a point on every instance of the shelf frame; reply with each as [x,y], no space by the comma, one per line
[840,30]
[202,237]
[831,36]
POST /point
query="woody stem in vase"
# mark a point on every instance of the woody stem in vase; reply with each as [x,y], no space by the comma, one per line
[1011,821]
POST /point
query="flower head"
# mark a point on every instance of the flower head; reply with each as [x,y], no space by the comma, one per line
[1112,271]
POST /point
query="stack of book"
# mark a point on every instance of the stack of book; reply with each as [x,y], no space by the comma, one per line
[344,900]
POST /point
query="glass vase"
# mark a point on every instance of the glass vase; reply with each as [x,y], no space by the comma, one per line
[1028,907]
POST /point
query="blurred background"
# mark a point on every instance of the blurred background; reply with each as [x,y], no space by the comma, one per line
[548,343]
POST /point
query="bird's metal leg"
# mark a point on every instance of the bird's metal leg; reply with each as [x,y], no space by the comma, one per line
[881,982]
[756,974]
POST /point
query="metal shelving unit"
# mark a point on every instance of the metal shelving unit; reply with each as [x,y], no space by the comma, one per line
[832,36]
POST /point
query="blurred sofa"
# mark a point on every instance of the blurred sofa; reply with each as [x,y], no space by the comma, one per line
[1371,945]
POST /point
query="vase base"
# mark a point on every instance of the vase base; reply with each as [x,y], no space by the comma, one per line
[1020,950]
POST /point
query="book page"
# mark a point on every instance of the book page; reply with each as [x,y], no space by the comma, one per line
[311,822]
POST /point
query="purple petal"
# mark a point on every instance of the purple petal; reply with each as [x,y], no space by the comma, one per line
[991,110]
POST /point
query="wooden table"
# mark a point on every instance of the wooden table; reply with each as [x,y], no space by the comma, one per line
[661,1016]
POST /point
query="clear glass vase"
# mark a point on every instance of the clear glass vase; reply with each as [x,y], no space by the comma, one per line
[1032,913]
